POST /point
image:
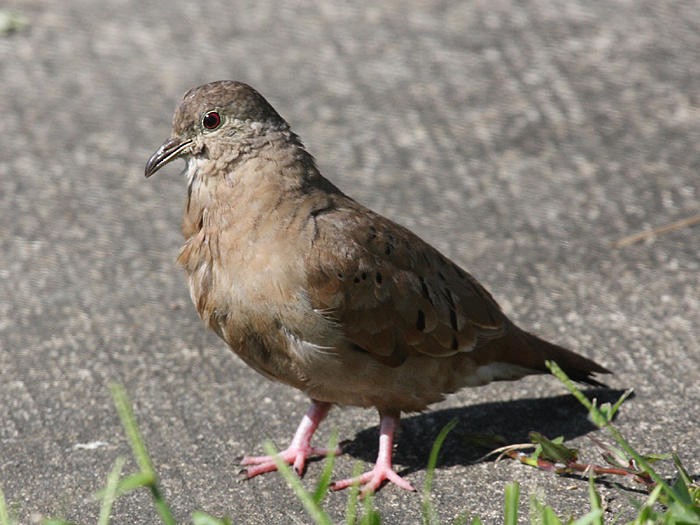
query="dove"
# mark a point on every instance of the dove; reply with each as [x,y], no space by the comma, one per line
[312,289]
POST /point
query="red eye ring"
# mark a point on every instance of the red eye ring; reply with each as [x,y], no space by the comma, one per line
[211,120]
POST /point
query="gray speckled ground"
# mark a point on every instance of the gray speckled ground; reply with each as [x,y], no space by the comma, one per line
[523,139]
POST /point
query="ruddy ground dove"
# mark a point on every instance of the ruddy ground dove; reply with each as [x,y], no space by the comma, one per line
[314,290]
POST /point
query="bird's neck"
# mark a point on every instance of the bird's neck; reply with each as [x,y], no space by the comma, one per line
[253,183]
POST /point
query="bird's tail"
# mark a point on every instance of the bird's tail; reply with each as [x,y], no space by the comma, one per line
[529,352]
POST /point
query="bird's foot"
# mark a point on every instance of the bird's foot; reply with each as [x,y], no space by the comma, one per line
[299,450]
[383,470]
[372,480]
[292,455]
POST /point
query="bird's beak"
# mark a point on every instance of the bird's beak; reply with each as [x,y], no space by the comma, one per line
[170,150]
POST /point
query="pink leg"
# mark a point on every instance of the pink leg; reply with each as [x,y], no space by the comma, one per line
[299,449]
[382,471]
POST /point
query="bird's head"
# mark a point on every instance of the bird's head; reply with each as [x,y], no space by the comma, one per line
[217,120]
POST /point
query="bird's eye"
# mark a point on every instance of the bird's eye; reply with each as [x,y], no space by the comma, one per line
[211,120]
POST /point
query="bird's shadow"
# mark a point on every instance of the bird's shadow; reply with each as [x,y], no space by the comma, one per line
[511,420]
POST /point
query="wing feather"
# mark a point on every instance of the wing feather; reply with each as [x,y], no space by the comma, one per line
[391,292]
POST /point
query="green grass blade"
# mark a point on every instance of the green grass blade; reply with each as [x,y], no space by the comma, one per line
[4,515]
[685,476]
[353,496]
[433,457]
[542,514]
[324,481]
[595,517]
[318,515]
[510,514]
[110,493]
[549,517]
[689,492]
[135,481]
[138,448]
[429,515]
[553,449]
[202,518]
[627,393]
[570,386]
[647,512]
[138,480]
[126,415]
[370,516]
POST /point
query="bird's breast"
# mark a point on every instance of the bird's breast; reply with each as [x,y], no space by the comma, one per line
[248,285]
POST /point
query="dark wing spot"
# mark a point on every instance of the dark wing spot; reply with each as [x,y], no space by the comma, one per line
[340,275]
[389,244]
[356,280]
[372,233]
[358,348]
[396,358]
[378,278]
[453,319]
[448,296]
[323,209]
[364,275]
[424,289]
[420,322]
[455,343]
[453,309]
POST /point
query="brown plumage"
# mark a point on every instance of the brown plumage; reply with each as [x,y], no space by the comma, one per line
[312,289]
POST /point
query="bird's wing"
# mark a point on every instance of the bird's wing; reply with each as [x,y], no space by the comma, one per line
[391,292]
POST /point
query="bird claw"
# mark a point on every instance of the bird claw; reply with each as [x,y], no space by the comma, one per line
[292,455]
[372,480]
